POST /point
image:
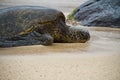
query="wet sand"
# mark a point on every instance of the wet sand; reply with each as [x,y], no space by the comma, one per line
[60,67]
[97,59]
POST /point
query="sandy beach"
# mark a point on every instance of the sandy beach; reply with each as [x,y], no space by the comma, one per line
[97,59]
[60,67]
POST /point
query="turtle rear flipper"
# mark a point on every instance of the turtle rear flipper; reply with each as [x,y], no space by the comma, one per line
[32,38]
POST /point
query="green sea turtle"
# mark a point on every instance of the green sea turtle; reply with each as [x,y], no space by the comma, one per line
[33,25]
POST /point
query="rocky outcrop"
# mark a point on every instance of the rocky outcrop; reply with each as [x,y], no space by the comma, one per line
[105,13]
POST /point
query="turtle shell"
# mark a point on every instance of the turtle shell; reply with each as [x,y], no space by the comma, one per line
[34,25]
[24,19]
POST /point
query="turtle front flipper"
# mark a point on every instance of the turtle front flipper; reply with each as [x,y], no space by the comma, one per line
[33,38]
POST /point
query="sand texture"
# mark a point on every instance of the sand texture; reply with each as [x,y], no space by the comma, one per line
[60,67]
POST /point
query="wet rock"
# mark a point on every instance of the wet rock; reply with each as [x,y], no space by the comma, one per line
[104,13]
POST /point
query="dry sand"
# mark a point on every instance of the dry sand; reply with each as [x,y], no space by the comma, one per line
[97,59]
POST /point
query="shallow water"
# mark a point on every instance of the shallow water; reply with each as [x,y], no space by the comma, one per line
[103,40]
[62,5]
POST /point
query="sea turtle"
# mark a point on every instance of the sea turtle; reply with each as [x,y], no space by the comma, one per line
[33,25]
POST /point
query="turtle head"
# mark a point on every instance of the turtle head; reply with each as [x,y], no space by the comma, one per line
[78,34]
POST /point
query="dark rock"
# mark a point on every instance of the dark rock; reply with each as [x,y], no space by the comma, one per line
[33,25]
[104,13]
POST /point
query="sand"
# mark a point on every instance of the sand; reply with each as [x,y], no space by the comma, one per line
[60,67]
[97,59]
